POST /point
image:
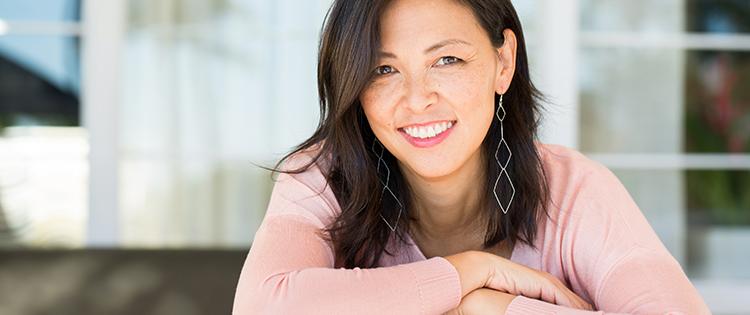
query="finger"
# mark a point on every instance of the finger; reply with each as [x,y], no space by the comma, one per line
[574,300]
[566,297]
[579,302]
[553,291]
[570,298]
[518,279]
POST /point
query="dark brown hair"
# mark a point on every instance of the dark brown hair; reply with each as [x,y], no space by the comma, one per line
[349,40]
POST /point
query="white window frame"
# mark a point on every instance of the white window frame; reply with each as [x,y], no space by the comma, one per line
[102,39]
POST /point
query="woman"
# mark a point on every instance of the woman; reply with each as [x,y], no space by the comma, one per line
[423,190]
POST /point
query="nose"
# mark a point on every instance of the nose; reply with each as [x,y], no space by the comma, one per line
[418,93]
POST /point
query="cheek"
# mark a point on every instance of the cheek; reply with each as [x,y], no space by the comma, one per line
[376,108]
[472,95]
[471,81]
[471,91]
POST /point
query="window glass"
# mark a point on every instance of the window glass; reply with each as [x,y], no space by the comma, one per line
[40,10]
[717,102]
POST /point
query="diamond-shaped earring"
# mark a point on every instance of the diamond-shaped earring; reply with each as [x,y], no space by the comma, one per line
[379,153]
[500,114]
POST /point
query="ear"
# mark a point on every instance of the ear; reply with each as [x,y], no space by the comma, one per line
[506,66]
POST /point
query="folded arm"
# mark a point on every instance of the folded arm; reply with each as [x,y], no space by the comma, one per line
[289,270]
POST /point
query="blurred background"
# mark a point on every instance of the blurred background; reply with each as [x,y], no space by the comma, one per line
[127,128]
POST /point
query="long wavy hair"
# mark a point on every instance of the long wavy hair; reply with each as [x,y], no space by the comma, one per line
[349,39]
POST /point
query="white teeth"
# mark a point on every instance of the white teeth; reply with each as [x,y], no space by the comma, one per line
[429,131]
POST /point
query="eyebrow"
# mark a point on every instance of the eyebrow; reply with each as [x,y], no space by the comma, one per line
[432,48]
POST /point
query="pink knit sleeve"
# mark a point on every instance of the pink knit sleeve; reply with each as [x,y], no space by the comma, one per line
[290,268]
[611,256]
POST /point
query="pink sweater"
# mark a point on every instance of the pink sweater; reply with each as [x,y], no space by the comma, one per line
[604,250]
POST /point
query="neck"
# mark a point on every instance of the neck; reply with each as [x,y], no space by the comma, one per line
[451,205]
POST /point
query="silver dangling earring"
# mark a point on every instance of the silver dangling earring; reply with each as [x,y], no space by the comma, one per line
[379,153]
[501,116]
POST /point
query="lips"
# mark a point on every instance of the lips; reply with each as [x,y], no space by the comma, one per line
[420,138]
[428,131]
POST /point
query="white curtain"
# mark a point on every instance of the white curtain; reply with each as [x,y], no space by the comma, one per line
[208,87]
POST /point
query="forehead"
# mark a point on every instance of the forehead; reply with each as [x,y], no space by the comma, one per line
[421,23]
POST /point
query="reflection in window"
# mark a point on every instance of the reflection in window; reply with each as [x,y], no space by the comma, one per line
[39,81]
[718,16]
[719,223]
[717,102]
[40,10]
[43,152]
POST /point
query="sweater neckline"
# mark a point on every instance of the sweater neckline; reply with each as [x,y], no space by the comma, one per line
[421,255]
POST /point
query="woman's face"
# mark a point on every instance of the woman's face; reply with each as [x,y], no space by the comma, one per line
[437,69]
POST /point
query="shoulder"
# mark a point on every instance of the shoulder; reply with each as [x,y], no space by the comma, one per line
[596,233]
[558,158]
[567,166]
[575,180]
[586,196]
[306,194]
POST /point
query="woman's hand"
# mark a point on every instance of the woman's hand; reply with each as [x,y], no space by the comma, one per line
[483,301]
[479,269]
[474,269]
[518,279]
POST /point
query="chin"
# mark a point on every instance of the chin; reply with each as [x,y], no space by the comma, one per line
[433,169]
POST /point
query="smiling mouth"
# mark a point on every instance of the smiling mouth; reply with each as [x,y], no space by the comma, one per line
[428,131]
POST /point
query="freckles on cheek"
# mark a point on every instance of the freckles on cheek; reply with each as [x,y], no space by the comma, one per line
[379,103]
[374,110]
[463,88]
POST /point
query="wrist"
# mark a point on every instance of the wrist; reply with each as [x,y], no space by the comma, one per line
[486,301]
[474,269]
[481,263]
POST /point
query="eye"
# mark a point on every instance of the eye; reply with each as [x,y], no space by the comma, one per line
[383,70]
[447,60]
